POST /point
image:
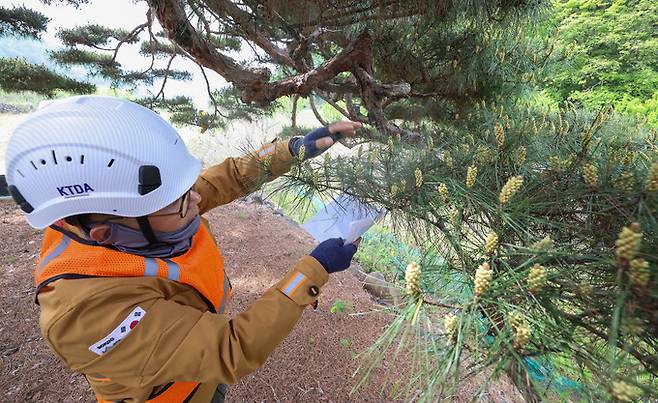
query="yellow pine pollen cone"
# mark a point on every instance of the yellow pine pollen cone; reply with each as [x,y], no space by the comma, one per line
[639,272]
[450,324]
[515,319]
[536,278]
[652,179]
[485,155]
[628,243]
[590,176]
[586,137]
[491,243]
[483,276]
[510,188]
[454,216]
[546,243]
[443,191]
[522,335]
[555,162]
[419,178]
[412,278]
[500,136]
[520,157]
[471,175]
[394,189]
[625,182]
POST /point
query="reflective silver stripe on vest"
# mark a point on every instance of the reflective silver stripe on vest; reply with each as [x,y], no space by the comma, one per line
[173,270]
[63,243]
[227,285]
[150,267]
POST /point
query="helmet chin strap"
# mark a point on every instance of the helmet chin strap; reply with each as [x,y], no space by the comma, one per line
[145,227]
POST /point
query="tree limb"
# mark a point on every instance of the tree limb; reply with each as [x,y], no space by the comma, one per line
[358,53]
[293,115]
[252,82]
[315,111]
[173,19]
[243,21]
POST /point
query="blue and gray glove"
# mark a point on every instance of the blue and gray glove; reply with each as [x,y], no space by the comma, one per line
[334,255]
[319,140]
[309,142]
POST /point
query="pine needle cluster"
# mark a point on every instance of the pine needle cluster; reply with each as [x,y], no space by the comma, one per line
[599,242]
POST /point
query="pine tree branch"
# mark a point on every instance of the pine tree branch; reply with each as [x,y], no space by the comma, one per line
[133,34]
[22,22]
[164,81]
[336,106]
[649,363]
[359,52]
[371,94]
[243,22]
[293,115]
[428,299]
[315,111]
[210,94]
[362,15]
[253,82]
[172,17]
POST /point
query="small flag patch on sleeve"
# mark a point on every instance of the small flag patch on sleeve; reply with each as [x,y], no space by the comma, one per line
[105,344]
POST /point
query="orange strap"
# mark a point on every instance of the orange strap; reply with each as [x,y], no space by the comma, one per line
[176,393]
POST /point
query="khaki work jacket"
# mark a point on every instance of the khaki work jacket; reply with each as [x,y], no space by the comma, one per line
[178,339]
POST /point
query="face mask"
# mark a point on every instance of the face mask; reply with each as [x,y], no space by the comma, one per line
[132,241]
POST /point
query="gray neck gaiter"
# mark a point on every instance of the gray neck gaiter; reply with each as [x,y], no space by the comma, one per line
[132,241]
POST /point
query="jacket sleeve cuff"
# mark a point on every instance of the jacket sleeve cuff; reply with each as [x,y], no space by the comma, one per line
[302,284]
[277,156]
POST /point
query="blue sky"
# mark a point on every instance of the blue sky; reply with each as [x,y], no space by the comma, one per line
[115,14]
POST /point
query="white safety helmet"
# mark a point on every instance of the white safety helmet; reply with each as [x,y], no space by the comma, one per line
[94,154]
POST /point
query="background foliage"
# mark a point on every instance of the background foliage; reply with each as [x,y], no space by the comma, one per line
[608,51]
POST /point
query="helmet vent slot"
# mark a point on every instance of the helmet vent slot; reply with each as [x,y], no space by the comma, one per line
[176,142]
[82,159]
[54,156]
[33,165]
[20,173]
[109,164]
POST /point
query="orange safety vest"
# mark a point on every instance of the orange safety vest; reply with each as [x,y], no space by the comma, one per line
[65,255]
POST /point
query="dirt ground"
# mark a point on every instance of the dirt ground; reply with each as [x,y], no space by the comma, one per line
[315,362]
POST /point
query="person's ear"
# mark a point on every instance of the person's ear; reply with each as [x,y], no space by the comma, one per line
[99,232]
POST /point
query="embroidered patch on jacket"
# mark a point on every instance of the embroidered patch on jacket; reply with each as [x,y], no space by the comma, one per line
[105,344]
